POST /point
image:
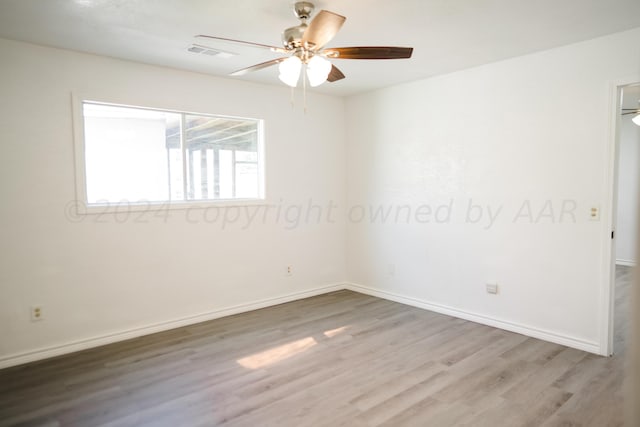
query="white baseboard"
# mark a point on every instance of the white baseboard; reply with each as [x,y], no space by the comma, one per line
[71,347]
[626,262]
[591,347]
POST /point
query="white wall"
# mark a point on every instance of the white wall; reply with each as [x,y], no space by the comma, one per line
[628,190]
[532,128]
[97,276]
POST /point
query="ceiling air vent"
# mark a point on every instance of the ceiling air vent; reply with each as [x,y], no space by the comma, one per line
[205,50]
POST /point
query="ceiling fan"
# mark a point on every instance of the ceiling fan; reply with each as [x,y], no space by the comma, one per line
[305,44]
[635,112]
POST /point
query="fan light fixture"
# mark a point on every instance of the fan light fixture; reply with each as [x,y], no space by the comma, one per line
[317,71]
[636,120]
[290,71]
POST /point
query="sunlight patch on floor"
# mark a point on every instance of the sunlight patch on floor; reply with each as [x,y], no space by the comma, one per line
[277,354]
[333,332]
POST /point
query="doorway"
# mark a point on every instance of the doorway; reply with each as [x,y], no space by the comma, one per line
[626,213]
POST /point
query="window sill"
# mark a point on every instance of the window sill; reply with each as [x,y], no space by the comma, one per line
[119,208]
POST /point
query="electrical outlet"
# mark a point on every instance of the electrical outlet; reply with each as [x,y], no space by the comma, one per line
[492,288]
[289,271]
[36,313]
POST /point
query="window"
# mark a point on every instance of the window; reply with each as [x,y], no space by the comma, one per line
[140,155]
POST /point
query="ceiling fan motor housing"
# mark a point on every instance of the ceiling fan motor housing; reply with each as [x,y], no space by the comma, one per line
[292,37]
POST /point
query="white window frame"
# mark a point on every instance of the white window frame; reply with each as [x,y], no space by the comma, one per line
[82,203]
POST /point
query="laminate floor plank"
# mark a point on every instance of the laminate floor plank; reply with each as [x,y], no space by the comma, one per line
[340,359]
[532,412]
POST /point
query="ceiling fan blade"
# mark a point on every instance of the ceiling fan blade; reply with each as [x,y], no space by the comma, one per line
[632,112]
[322,29]
[335,74]
[259,45]
[257,67]
[369,52]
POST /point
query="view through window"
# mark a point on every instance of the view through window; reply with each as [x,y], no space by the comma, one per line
[139,155]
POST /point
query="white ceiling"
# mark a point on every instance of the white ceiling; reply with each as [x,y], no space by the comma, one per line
[447,35]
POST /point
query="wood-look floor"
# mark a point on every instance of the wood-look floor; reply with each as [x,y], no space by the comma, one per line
[341,359]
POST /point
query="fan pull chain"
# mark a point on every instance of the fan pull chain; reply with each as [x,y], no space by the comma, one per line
[292,98]
[304,87]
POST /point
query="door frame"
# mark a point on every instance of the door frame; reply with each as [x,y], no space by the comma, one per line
[610,222]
